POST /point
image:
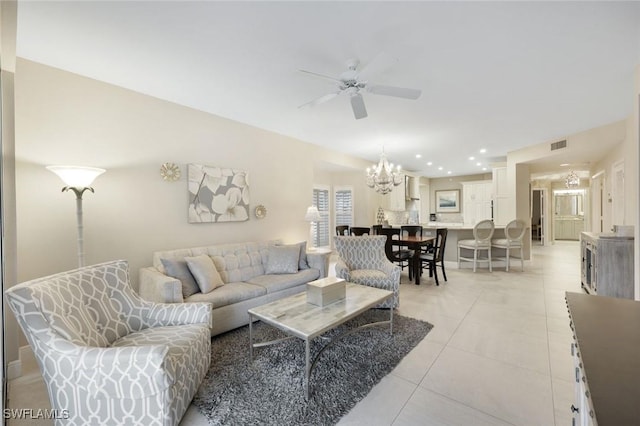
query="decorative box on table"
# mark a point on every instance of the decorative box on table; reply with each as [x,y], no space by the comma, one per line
[325,291]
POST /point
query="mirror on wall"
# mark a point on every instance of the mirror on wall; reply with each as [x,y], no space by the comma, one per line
[569,203]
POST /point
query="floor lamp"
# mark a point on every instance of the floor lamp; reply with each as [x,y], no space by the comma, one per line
[313,215]
[77,179]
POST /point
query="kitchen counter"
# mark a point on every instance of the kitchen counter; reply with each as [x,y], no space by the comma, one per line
[608,348]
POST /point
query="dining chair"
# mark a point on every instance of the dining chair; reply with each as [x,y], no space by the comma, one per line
[482,233]
[435,257]
[342,230]
[359,230]
[375,229]
[411,230]
[514,233]
[401,257]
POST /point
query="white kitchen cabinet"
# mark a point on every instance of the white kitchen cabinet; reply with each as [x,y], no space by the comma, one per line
[397,199]
[476,201]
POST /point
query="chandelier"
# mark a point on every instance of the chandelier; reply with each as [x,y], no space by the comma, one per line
[572,180]
[382,177]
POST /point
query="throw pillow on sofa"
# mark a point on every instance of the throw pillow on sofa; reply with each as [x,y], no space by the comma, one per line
[302,260]
[283,259]
[180,270]
[205,272]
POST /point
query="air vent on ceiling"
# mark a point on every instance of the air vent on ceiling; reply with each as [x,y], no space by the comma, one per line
[559,145]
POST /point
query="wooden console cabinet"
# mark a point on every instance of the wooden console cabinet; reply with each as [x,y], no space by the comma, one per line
[607,264]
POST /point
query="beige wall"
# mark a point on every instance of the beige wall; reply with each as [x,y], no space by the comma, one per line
[64,118]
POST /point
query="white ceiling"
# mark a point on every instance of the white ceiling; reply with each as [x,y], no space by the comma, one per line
[493,75]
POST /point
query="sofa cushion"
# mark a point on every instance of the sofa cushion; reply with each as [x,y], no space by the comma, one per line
[235,262]
[283,260]
[228,294]
[205,272]
[186,344]
[369,277]
[180,270]
[274,283]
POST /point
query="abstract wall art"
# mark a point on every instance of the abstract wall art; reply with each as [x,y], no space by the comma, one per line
[217,194]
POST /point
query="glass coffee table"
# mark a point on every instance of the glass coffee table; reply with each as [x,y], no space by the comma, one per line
[299,319]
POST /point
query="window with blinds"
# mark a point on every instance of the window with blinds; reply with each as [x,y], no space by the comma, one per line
[344,206]
[321,229]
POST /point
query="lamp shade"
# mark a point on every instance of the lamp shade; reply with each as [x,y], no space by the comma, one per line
[313,215]
[76,176]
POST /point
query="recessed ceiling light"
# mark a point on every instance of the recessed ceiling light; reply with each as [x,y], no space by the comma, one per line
[429,163]
[482,151]
[418,156]
[439,168]
[484,169]
[449,172]
[472,158]
[478,164]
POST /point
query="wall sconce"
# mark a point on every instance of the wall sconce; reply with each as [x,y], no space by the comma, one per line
[77,179]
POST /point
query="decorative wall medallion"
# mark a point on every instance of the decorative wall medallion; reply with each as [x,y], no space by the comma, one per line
[170,172]
[261,212]
[217,194]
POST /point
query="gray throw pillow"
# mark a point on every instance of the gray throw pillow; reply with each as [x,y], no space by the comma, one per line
[179,269]
[283,259]
[205,272]
[302,260]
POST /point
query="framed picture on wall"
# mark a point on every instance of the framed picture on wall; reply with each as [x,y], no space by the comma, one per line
[448,201]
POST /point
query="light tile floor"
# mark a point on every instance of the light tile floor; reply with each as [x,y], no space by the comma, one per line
[498,354]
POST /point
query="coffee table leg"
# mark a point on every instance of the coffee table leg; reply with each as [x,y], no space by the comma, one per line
[307,370]
[250,338]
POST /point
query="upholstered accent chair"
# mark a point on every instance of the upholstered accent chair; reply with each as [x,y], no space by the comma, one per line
[362,260]
[107,356]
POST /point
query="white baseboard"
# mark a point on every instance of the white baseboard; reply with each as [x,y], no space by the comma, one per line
[25,364]
[14,369]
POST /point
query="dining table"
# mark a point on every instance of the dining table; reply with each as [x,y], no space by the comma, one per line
[415,243]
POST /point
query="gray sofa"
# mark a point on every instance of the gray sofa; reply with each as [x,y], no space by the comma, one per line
[243,269]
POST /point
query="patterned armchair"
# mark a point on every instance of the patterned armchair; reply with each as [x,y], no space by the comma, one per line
[363,261]
[107,356]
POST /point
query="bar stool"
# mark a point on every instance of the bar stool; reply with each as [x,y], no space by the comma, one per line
[482,233]
[514,231]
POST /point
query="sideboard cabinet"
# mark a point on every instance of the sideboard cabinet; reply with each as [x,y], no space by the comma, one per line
[607,264]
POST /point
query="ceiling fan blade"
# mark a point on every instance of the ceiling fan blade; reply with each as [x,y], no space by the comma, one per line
[326,77]
[398,92]
[320,100]
[357,104]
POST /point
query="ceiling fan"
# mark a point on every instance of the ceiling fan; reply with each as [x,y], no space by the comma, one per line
[352,82]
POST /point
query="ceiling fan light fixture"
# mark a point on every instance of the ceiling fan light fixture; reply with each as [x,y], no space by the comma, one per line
[382,177]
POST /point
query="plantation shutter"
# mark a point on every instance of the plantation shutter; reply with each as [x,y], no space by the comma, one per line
[321,228]
[344,206]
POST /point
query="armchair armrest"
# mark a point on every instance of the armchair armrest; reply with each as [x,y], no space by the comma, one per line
[320,261]
[342,271]
[167,314]
[158,287]
[132,372]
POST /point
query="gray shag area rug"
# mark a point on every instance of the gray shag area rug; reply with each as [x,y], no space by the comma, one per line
[270,391]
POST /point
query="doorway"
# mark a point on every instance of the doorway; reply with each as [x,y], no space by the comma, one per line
[537,217]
